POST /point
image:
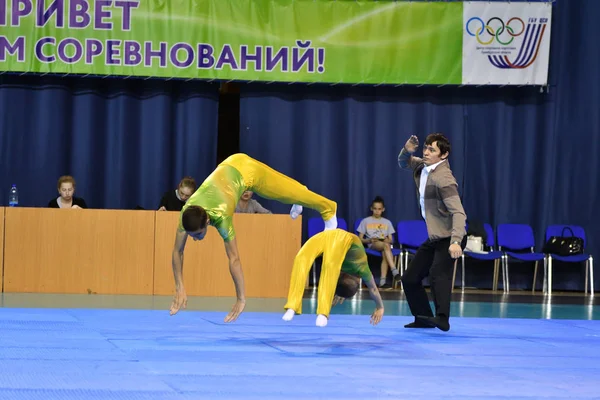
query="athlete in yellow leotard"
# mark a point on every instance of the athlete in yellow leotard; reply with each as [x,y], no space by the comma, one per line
[344,262]
[214,204]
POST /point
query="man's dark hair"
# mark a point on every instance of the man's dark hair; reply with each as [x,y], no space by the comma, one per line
[442,142]
[347,286]
[194,218]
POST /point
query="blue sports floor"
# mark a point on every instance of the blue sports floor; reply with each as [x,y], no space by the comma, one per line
[95,347]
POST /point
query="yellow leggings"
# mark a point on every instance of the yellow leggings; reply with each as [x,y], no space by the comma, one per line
[333,245]
[271,184]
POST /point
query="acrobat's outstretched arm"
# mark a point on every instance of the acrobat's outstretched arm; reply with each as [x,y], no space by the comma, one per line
[235,268]
[374,293]
[180,298]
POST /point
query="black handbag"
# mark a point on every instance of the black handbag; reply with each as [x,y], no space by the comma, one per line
[564,245]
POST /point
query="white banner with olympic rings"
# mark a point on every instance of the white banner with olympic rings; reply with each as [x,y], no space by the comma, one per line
[506,43]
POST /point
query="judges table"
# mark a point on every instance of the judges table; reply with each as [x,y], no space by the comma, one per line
[129,252]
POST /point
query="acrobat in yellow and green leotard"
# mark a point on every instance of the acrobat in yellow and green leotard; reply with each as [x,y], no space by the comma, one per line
[222,189]
[214,204]
[344,262]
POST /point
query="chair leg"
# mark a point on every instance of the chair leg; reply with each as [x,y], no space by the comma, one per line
[495,276]
[507,275]
[308,276]
[400,267]
[463,273]
[591,275]
[545,272]
[549,277]
[545,277]
[504,277]
[534,276]
[462,259]
[503,267]
[454,273]
[587,271]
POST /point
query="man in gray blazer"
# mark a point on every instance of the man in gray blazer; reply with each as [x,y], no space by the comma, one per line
[442,210]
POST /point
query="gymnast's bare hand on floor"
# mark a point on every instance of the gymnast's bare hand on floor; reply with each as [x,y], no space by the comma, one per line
[377,316]
[179,300]
[235,269]
[235,311]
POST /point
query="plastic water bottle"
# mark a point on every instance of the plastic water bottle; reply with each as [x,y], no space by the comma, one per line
[13,197]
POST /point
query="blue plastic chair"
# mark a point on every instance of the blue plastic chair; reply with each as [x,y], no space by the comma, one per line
[411,235]
[491,255]
[395,252]
[518,237]
[557,230]
[316,225]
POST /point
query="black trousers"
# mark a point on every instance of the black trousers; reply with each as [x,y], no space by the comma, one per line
[432,259]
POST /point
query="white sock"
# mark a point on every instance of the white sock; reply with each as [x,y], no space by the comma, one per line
[289,315]
[295,211]
[331,223]
[321,320]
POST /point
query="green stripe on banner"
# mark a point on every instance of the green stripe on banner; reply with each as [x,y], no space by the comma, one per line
[371,42]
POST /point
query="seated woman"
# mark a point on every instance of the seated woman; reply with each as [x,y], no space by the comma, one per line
[174,200]
[66,198]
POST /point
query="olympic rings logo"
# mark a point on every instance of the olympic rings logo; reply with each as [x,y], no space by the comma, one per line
[495,27]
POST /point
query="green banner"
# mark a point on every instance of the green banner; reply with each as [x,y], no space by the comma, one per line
[370,42]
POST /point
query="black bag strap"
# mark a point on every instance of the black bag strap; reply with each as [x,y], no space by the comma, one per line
[563,231]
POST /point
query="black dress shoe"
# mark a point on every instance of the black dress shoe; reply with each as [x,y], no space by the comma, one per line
[438,322]
[418,324]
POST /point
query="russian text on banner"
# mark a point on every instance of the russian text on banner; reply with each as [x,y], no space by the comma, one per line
[355,42]
[268,40]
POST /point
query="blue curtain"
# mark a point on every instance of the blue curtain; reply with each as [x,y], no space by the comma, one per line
[520,155]
[125,142]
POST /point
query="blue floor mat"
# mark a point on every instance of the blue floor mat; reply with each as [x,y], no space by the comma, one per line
[146,354]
